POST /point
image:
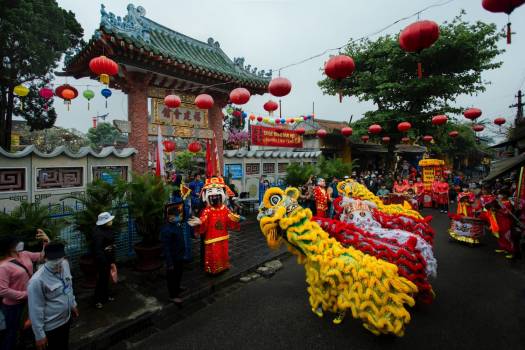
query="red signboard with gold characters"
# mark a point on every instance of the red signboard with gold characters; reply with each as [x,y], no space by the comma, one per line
[276,137]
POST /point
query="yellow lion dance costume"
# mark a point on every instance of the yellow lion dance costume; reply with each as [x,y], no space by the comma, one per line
[339,278]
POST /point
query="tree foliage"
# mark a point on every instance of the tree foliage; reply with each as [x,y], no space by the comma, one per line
[24,220]
[33,36]
[386,76]
[185,161]
[298,175]
[105,134]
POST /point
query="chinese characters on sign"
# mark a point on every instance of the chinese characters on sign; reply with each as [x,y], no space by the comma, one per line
[277,137]
[184,121]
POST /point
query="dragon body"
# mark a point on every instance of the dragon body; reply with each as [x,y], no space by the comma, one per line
[339,278]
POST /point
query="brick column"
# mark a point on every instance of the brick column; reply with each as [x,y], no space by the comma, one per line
[215,118]
[137,89]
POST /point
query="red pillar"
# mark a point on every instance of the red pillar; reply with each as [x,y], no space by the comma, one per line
[137,89]
[215,118]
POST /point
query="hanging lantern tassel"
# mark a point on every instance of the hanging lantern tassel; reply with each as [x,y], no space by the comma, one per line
[419,70]
[509,33]
[104,79]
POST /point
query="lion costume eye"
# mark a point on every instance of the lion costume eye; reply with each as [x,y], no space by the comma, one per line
[273,197]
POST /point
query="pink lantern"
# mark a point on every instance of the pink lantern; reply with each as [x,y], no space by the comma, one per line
[386,139]
[321,133]
[478,128]
[453,134]
[365,138]
[427,138]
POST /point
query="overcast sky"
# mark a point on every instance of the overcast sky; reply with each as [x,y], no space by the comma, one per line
[274,33]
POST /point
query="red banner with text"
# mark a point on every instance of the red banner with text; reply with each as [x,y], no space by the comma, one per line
[276,137]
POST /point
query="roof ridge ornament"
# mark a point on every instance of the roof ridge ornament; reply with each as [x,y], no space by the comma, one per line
[132,24]
[239,62]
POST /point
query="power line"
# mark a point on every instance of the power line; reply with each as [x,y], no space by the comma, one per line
[365,36]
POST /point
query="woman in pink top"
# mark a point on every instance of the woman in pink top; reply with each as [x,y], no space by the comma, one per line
[16,268]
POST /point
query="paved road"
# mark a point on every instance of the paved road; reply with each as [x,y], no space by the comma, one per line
[480,305]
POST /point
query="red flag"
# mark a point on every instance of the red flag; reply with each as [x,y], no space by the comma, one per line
[217,163]
[209,160]
[159,159]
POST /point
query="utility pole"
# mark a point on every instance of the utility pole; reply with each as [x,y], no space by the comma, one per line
[519,106]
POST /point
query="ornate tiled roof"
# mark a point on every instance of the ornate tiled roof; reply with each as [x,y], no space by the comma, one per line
[135,32]
[62,150]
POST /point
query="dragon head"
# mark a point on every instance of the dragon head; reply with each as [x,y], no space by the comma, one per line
[276,207]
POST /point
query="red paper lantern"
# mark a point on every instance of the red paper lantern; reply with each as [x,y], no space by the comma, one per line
[279,87]
[365,138]
[346,131]
[385,139]
[404,126]
[499,121]
[169,146]
[339,67]
[439,119]
[417,37]
[505,6]
[472,113]
[67,93]
[375,129]
[453,134]
[172,101]
[478,128]
[277,121]
[322,133]
[252,117]
[305,118]
[239,96]
[427,138]
[237,114]
[194,147]
[270,106]
[300,131]
[405,140]
[103,67]
[260,119]
[204,101]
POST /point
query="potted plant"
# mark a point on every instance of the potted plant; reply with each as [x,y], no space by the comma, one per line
[147,195]
[99,197]
[24,220]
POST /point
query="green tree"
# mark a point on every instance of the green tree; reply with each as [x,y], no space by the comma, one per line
[185,161]
[33,36]
[386,76]
[298,175]
[105,134]
[330,168]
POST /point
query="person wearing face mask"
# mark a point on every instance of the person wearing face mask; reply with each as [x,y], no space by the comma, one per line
[172,239]
[51,300]
[104,252]
[16,268]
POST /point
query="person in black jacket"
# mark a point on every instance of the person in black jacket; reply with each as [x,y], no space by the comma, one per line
[172,238]
[104,252]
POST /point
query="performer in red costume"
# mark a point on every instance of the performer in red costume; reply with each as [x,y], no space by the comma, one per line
[321,198]
[419,188]
[465,207]
[213,223]
[504,220]
[441,194]
[401,187]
